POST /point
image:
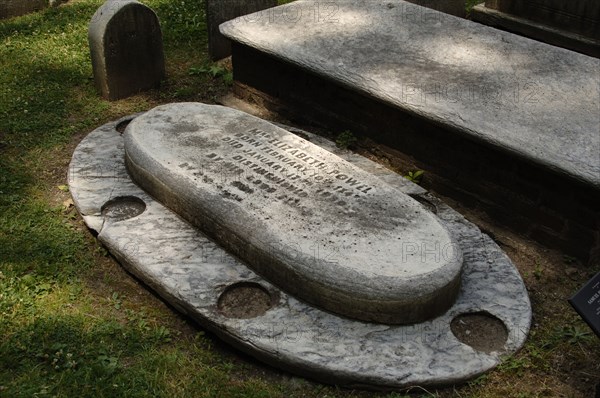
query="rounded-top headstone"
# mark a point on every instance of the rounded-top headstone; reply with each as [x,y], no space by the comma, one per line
[313,224]
[126,48]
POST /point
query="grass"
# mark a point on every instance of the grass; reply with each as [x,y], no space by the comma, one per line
[72,322]
[469,4]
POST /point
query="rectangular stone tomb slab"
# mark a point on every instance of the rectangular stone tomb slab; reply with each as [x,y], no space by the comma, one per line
[525,98]
[310,222]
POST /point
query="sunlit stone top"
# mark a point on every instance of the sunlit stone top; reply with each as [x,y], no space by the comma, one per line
[316,226]
[530,98]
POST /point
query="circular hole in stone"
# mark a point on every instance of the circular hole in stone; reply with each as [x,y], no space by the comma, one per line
[427,204]
[123,207]
[480,330]
[245,300]
[121,126]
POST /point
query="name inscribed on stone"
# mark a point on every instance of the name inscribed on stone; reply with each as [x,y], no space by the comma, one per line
[257,162]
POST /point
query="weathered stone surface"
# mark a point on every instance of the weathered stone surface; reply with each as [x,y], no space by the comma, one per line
[192,273]
[536,101]
[126,48]
[318,227]
[14,8]
[453,7]
[219,11]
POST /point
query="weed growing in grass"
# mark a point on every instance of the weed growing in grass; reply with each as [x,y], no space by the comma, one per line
[575,334]
[215,71]
[538,271]
[346,139]
[415,176]
[516,364]
[469,4]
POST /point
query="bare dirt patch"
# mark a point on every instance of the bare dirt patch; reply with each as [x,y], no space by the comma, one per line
[481,331]
[244,301]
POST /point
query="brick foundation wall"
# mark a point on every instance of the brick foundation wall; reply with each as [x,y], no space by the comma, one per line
[539,203]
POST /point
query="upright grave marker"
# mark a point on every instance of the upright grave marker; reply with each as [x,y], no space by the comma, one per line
[219,11]
[126,48]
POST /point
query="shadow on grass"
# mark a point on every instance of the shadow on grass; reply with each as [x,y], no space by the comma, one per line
[46,96]
[45,57]
[80,356]
[53,341]
[72,357]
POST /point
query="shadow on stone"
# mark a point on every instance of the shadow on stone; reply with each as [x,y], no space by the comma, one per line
[426,203]
[121,126]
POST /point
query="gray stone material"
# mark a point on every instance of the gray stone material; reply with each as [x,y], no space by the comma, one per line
[14,8]
[315,225]
[219,11]
[126,47]
[528,98]
[192,272]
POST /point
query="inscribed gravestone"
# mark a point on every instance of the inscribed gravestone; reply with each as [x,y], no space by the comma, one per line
[313,224]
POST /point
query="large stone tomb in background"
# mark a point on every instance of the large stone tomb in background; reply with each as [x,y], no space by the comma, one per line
[488,320]
[499,121]
[311,223]
[572,24]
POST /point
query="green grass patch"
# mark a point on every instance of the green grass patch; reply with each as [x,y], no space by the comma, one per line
[64,333]
[469,4]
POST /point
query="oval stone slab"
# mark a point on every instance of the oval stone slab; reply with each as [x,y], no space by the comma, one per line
[318,227]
